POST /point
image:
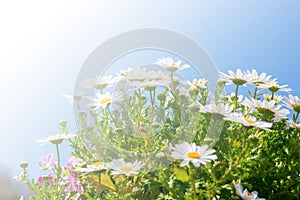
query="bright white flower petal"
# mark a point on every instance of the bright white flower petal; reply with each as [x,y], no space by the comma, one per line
[192,153]
[293,102]
[248,121]
[55,139]
[267,107]
[218,109]
[245,194]
[237,78]
[119,166]
[169,64]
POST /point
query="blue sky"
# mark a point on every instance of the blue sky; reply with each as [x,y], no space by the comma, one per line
[44,44]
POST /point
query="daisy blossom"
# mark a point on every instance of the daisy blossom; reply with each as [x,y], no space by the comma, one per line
[119,166]
[197,84]
[256,79]
[100,82]
[293,102]
[193,153]
[274,87]
[245,194]
[267,108]
[55,139]
[217,109]
[293,124]
[238,78]
[103,100]
[95,167]
[248,121]
[169,64]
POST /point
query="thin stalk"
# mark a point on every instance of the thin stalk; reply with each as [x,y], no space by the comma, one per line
[99,181]
[255,92]
[192,171]
[112,118]
[236,97]
[58,156]
[152,105]
[296,117]
[272,97]
[58,172]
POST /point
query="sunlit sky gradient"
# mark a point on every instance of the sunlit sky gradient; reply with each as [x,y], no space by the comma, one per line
[43,45]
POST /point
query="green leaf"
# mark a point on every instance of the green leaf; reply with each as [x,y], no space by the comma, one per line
[181,174]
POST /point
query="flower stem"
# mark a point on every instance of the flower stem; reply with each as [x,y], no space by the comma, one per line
[272,97]
[296,117]
[99,181]
[58,157]
[255,92]
[152,105]
[58,172]
[236,97]
[192,171]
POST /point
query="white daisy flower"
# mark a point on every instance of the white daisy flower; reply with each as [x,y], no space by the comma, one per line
[169,64]
[267,108]
[256,79]
[274,87]
[238,78]
[193,153]
[138,74]
[55,139]
[217,109]
[197,84]
[103,100]
[276,98]
[248,121]
[100,82]
[293,102]
[95,167]
[119,166]
[245,194]
[149,84]
[293,124]
[74,97]
[47,162]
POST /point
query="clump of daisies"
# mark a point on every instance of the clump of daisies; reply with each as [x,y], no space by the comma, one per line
[146,133]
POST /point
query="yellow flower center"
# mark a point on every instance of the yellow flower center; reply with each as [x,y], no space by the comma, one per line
[250,194]
[250,121]
[105,100]
[126,169]
[193,155]
[296,108]
[97,164]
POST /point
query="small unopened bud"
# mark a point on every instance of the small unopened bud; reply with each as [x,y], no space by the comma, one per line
[62,126]
[161,97]
[23,164]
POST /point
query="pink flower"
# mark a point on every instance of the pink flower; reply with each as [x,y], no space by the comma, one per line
[46,180]
[19,177]
[72,181]
[47,162]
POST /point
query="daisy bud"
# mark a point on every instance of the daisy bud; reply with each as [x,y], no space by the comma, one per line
[23,164]
[62,125]
[161,97]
